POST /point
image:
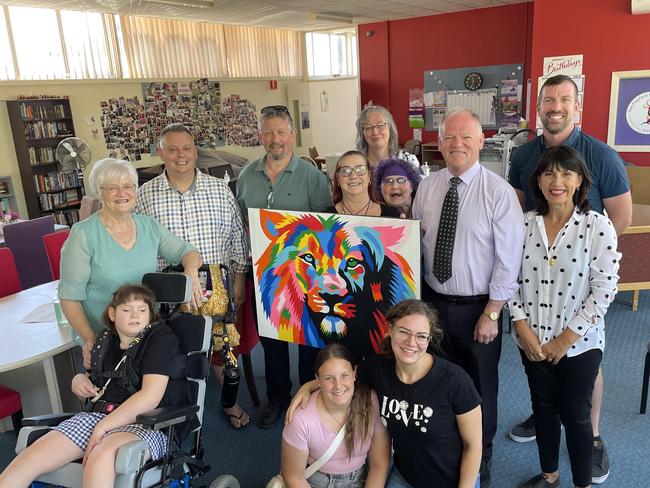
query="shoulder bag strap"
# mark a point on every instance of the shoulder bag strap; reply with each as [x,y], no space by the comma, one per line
[316,465]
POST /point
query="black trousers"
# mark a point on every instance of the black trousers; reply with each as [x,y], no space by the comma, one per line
[480,361]
[277,368]
[562,393]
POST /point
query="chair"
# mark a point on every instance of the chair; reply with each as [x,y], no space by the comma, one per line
[313,152]
[195,337]
[9,280]
[646,380]
[25,239]
[414,147]
[10,406]
[89,206]
[53,244]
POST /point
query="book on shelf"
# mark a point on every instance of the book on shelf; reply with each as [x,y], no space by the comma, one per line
[37,111]
[45,130]
[40,155]
[56,181]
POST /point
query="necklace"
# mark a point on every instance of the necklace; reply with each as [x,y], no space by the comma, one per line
[363,209]
[338,423]
[115,234]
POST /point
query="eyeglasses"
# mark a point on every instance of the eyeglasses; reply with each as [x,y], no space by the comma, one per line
[389,180]
[114,189]
[404,335]
[369,129]
[269,199]
[271,109]
[346,171]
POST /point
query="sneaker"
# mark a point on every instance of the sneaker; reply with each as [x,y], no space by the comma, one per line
[599,463]
[523,432]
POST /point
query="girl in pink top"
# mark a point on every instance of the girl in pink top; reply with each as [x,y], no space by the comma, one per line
[363,457]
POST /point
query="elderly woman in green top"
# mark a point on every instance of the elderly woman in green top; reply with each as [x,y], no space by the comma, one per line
[113,247]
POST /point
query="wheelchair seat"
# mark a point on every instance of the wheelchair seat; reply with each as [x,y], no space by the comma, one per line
[132,466]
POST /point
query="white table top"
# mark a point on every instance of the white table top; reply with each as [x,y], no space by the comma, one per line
[26,343]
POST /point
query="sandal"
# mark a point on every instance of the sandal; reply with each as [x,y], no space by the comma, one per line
[239,419]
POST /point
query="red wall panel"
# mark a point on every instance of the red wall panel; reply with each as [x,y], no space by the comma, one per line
[394,60]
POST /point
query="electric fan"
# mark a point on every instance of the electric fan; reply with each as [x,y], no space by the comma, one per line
[73,154]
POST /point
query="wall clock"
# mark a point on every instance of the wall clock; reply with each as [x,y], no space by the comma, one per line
[473,81]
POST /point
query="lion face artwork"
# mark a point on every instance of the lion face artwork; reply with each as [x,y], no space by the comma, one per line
[323,278]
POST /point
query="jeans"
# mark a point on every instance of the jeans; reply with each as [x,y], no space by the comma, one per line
[562,393]
[355,479]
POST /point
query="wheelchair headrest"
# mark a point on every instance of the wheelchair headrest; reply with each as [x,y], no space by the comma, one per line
[172,288]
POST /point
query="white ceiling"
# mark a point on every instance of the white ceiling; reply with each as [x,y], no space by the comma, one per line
[289,14]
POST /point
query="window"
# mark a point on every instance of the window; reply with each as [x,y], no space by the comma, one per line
[86,45]
[6,59]
[38,43]
[331,54]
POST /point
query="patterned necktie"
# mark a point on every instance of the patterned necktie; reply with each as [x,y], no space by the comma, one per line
[446,233]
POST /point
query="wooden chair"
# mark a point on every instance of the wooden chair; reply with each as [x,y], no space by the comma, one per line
[313,152]
[9,279]
[25,239]
[310,160]
[53,243]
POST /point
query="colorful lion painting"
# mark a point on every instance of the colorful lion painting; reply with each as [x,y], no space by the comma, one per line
[324,278]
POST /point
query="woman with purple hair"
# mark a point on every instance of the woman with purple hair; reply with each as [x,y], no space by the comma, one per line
[396,182]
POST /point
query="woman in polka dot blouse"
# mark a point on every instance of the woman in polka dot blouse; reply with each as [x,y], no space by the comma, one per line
[567,280]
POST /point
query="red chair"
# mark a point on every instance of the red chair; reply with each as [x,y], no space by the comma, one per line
[9,279]
[53,243]
[10,406]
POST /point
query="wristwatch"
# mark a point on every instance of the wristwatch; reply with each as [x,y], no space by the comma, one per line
[491,315]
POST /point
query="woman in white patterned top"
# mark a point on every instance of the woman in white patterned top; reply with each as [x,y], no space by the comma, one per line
[567,280]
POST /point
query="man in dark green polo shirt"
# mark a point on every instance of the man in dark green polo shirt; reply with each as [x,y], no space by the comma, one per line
[281,180]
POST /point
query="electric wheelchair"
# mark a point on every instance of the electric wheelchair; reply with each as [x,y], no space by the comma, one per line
[184,461]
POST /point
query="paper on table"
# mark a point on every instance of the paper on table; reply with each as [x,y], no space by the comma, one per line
[43,313]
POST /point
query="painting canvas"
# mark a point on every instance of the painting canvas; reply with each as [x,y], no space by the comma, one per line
[322,278]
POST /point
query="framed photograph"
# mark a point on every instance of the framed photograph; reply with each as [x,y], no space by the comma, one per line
[629,111]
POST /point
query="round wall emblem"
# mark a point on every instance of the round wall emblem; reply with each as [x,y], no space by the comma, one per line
[638,113]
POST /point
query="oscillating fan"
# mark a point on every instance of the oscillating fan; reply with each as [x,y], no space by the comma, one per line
[73,154]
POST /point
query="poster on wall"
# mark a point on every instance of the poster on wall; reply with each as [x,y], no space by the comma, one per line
[570,65]
[629,111]
[322,278]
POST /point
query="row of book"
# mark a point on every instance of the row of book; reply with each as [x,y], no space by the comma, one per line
[56,181]
[67,217]
[43,130]
[52,201]
[40,155]
[29,111]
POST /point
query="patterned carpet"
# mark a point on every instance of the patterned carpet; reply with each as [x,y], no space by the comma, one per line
[252,455]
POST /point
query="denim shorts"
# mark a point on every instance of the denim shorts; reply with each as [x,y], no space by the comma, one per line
[354,479]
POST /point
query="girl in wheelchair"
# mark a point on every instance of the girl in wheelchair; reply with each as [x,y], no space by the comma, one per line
[131,374]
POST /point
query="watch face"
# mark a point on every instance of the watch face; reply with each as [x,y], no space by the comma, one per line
[473,81]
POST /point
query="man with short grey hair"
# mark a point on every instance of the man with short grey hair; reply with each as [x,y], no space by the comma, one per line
[281,180]
[472,241]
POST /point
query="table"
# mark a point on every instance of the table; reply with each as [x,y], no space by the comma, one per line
[24,345]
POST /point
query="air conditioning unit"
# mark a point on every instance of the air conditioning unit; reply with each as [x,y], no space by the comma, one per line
[640,7]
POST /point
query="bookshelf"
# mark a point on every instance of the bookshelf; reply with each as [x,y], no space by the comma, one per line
[7,194]
[38,125]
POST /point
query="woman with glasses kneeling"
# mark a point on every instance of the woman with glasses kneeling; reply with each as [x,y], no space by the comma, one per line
[352,190]
[567,280]
[429,405]
[342,417]
[114,246]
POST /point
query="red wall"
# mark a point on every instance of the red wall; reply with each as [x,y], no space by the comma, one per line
[609,37]
[394,58]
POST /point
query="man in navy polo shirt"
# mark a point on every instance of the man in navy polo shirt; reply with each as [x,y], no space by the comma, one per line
[610,192]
